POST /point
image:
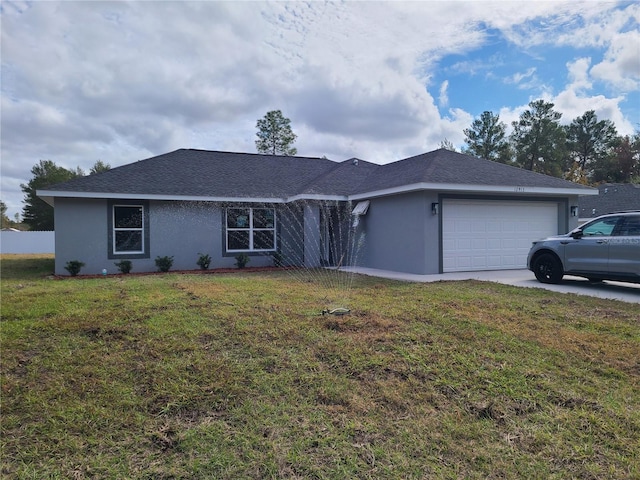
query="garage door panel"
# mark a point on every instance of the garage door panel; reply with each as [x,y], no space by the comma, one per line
[478,226]
[493,226]
[495,261]
[493,244]
[492,234]
[463,244]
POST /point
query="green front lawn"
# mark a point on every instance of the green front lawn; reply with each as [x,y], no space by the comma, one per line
[240,376]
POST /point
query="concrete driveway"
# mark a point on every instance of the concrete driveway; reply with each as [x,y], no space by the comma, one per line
[627,292]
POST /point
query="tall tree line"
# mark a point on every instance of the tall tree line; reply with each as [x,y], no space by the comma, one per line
[587,151]
[36,213]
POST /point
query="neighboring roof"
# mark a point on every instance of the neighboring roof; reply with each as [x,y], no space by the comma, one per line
[612,197]
[211,175]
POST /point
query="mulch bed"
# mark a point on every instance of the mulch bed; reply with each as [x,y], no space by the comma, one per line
[179,272]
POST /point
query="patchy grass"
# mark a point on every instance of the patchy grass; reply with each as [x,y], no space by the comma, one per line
[239,376]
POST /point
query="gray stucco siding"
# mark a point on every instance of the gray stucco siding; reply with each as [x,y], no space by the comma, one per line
[182,230]
[175,229]
[81,234]
[401,234]
[570,222]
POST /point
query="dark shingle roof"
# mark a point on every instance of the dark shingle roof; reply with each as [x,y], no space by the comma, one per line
[343,179]
[612,197]
[206,173]
[446,167]
[213,174]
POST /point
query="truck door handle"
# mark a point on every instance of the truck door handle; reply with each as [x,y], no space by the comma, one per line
[602,241]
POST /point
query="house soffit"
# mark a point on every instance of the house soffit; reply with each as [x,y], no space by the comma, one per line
[486,189]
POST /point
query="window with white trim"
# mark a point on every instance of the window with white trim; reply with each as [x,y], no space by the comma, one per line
[128,229]
[251,230]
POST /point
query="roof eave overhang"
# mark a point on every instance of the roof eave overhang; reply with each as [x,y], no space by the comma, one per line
[49,196]
[461,188]
[319,197]
[49,199]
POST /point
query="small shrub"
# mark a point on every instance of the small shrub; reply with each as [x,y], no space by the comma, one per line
[204,260]
[164,263]
[124,266]
[74,267]
[242,260]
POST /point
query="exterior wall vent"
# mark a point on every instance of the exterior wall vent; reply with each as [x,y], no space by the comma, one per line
[361,208]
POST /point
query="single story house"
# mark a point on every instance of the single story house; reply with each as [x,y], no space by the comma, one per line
[437,212]
[612,197]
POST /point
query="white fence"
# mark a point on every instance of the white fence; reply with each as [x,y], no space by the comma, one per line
[27,242]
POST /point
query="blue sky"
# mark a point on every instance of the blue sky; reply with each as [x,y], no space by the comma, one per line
[121,81]
[500,70]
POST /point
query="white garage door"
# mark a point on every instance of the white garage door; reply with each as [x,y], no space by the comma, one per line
[493,235]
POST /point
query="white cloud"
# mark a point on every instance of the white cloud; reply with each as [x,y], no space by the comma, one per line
[508,115]
[117,81]
[578,74]
[577,24]
[450,128]
[575,99]
[518,77]
[621,64]
[443,98]
[597,27]
[584,25]
[572,106]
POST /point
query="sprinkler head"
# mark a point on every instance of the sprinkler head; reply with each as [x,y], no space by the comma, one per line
[336,311]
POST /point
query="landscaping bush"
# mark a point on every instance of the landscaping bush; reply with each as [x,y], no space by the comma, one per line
[242,260]
[74,267]
[204,260]
[164,263]
[124,266]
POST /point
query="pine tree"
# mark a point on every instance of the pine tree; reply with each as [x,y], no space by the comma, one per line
[275,136]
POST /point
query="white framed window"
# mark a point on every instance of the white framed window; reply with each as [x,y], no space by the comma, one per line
[128,229]
[251,229]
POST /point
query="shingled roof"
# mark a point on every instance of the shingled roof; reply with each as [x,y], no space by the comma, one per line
[202,173]
[444,167]
[213,175]
[612,197]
